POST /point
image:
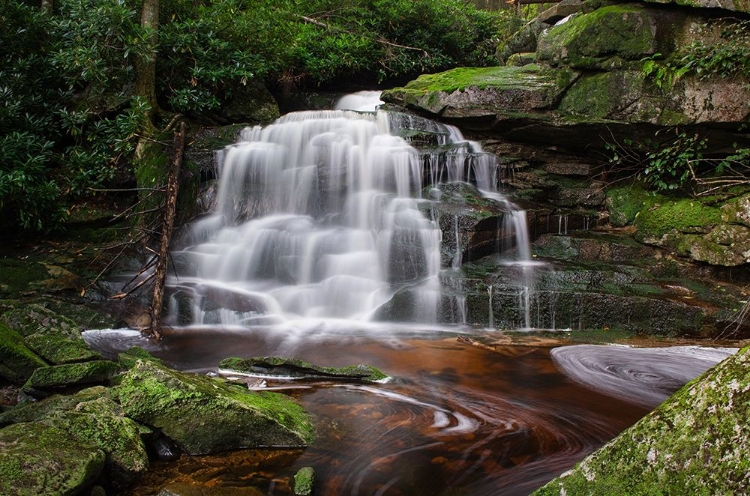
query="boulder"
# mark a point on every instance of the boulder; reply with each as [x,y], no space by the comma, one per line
[304,480]
[47,379]
[91,417]
[734,5]
[204,415]
[36,458]
[694,443]
[17,361]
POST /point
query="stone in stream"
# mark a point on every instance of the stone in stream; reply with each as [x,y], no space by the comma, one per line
[299,369]
[46,380]
[303,481]
[203,415]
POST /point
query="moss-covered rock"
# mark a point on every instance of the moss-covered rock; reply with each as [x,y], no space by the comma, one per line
[299,369]
[91,417]
[27,277]
[696,442]
[514,92]
[685,216]
[41,459]
[626,31]
[60,350]
[204,415]
[69,375]
[736,5]
[253,103]
[304,480]
[34,318]
[98,422]
[17,361]
[737,211]
[37,410]
[624,203]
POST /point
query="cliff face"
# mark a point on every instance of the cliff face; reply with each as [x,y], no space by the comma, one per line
[586,79]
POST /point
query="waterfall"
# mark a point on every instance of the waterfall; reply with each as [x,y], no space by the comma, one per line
[317,217]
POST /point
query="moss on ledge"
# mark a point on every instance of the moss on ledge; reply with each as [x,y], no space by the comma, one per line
[301,369]
[696,442]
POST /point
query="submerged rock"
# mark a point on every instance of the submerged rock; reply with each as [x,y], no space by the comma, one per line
[696,442]
[299,369]
[204,415]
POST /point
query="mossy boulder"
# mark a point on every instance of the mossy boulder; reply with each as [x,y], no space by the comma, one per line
[28,277]
[737,211]
[204,415]
[99,422]
[17,361]
[624,203]
[736,5]
[57,377]
[252,103]
[686,216]
[37,410]
[42,459]
[696,442]
[512,92]
[34,318]
[625,31]
[299,369]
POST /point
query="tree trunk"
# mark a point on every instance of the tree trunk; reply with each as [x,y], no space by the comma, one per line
[145,67]
[170,210]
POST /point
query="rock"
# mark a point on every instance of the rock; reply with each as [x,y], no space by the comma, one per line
[694,443]
[252,103]
[37,410]
[47,379]
[684,216]
[521,59]
[483,93]
[91,417]
[735,5]
[187,489]
[737,211]
[304,480]
[523,41]
[560,11]
[204,415]
[119,437]
[41,459]
[625,31]
[23,277]
[299,369]
[471,225]
[17,361]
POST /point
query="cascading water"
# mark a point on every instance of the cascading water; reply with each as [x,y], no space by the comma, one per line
[318,217]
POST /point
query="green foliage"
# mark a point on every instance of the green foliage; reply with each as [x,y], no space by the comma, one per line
[728,57]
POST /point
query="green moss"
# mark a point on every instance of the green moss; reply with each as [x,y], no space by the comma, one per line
[41,459]
[694,443]
[624,31]
[17,276]
[72,374]
[118,437]
[129,357]
[17,362]
[28,319]
[686,216]
[204,415]
[625,202]
[528,76]
[300,368]
[59,349]
[31,412]
[304,480]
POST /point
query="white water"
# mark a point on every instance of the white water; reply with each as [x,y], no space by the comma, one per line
[317,218]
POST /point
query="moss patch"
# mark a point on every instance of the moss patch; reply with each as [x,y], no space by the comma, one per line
[41,459]
[72,374]
[303,481]
[625,202]
[694,443]
[686,216]
[17,362]
[204,415]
